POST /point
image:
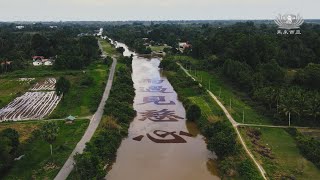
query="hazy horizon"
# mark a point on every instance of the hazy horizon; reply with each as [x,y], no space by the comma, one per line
[151,10]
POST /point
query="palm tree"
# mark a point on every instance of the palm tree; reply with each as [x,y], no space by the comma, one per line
[313,109]
[288,104]
[49,132]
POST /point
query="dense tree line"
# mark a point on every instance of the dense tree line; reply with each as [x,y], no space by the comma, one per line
[101,150]
[70,51]
[253,57]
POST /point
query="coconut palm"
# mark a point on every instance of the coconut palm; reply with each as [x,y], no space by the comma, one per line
[49,132]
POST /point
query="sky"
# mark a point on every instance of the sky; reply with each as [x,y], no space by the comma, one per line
[123,10]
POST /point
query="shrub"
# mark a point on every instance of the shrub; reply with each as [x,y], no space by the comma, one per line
[87,81]
[89,166]
[247,170]
[9,143]
[222,139]
[310,148]
[13,136]
[193,112]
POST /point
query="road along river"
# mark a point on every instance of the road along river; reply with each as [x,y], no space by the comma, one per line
[161,144]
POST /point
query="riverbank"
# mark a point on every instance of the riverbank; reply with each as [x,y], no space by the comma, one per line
[117,114]
[278,154]
[233,163]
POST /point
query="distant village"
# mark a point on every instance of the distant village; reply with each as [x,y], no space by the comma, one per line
[41,61]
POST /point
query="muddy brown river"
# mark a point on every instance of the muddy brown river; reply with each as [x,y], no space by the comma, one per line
[161,144]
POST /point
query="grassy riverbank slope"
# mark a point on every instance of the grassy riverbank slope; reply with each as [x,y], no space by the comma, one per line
[275,148]
[213,124]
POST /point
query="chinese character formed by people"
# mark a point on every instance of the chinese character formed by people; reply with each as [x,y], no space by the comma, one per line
[160,136]
[160,116]
[152,81]
[158,100]
[154,89]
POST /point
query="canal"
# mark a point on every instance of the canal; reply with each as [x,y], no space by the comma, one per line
[161,143]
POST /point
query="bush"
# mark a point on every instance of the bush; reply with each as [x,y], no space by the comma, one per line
[13,136]
[169,65]
[89,166]
[193,112]
[62,86]
[9,143]
[87,81]
[310,148]
[247,170]
[222,139]
[107,61]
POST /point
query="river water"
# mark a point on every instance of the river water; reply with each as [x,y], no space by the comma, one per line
[161,144]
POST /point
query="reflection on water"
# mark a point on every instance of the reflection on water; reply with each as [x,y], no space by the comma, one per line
[192,128]
[212,166]
[161,144]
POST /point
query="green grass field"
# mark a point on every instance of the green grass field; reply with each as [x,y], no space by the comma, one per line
[157,48]
[38,163]
[287,159]
[41,71]
[10,88]
[82,100]
[227,94]
[108,48]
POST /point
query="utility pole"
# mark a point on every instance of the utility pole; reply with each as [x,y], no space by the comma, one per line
[289,119]
[242,116]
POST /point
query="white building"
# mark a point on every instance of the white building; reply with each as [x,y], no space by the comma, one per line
[37,63]
[48,63]
[100,32]
[20,27]
[40,60]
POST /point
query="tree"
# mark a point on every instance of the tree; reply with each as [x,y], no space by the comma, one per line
[41,45]
[49,132]
[272,72]
[89,166]
[222,139]
[309,76]
[5,156]
[9,142]
[120,50]
[193,112]
[313,108]
[288,103]
[62,86]
[13,136]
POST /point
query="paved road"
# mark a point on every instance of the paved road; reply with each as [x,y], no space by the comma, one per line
[94,122]
[234,124]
